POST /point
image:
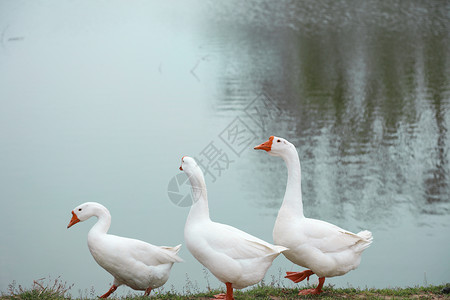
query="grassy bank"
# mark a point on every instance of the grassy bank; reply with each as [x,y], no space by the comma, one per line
[59,290]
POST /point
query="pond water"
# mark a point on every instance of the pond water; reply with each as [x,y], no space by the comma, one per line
[101,100]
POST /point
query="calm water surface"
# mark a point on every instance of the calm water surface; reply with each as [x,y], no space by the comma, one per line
[101,100]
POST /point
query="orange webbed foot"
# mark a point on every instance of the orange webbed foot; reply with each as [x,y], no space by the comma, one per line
[109,292]
[315,291]
[228,295]
[309,292]
[299,276]
[221,296]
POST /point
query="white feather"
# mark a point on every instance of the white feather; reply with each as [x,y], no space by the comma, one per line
[231,255]
[132,262]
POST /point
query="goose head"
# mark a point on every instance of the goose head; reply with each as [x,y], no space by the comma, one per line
[189,166]
[276,146]
[195,174]
[82,213]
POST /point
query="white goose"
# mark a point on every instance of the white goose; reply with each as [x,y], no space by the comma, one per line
[135,263]
[323,248]
[236,258]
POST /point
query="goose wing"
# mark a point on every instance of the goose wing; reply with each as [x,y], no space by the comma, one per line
[238,244]
[330,238]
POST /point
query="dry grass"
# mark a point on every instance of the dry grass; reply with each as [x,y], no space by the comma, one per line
[57,289]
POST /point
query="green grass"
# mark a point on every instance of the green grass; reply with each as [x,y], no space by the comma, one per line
[58,290]
[52,289]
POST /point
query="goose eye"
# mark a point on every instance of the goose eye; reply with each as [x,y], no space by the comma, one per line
[79,209]
[278,141]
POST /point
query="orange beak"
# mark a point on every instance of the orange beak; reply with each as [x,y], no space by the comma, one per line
[266,145]
[181,168]
[74,220]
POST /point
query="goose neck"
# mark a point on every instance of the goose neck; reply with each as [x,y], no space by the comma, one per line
[103,221]
[293,194]
[199,208]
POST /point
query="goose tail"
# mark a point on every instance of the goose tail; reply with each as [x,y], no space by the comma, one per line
[173,253]
[366,240]
[280,249]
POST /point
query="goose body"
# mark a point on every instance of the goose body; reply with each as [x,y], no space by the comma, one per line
[235,257]
[137,264]
[323,248]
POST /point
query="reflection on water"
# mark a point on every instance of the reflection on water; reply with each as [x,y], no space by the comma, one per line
[364,89]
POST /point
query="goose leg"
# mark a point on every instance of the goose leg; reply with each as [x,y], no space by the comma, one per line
[228,295]
[147,291]
[315,291]
[299,276]
[109,292]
